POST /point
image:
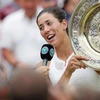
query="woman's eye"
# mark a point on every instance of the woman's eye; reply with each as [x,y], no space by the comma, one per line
[41,28]
[49,23]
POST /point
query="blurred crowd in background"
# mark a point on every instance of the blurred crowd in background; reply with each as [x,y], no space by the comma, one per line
[9,6]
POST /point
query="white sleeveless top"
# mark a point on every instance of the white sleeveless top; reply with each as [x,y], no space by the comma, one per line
[81,76]
[57,68]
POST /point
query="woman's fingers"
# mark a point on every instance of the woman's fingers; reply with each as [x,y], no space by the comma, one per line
[76,63]
[46,75]
[43,69]
[76,60]
[80,57]
[76,66]
[79,64]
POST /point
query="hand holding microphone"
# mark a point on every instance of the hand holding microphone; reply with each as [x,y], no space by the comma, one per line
[46,53]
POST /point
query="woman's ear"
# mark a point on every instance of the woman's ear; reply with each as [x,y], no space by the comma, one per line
[65,24]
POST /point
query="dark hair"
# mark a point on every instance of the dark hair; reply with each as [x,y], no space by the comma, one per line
[56,11]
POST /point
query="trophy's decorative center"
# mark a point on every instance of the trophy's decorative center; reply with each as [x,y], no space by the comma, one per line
[94,33]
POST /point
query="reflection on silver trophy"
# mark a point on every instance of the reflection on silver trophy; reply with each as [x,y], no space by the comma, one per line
[84,32]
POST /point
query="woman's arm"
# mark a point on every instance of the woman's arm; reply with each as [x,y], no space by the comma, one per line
[74,63]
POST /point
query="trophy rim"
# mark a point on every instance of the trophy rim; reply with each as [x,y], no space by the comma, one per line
[85,46]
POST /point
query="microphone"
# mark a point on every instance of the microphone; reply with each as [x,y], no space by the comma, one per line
[47,52]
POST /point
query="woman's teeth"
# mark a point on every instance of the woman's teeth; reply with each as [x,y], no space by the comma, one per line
[50,36]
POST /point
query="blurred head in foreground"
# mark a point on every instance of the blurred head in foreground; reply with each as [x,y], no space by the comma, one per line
[25,84]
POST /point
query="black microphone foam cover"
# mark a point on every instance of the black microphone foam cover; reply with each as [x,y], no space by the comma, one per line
[47,52]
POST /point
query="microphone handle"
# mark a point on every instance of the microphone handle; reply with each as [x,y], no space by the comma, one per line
[44,62]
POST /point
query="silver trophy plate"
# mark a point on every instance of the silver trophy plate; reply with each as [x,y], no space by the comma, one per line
[84,32]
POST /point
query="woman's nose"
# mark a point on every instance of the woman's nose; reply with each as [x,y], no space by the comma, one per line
[47,29]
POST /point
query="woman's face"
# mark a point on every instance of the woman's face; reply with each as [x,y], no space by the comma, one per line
[51,29]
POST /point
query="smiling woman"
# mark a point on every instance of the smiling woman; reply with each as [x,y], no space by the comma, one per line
[65,65]
[51,28]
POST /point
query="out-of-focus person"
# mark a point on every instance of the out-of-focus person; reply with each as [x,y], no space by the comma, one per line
[9,8]
[4,3]
[48,3]
[69,6]
[2,68]
[21,40]
[26,84]
[4,89]
[60,3]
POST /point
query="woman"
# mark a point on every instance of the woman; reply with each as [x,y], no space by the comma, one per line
[52,25]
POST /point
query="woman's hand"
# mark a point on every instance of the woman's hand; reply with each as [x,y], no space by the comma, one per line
[44,70]
[75,63]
